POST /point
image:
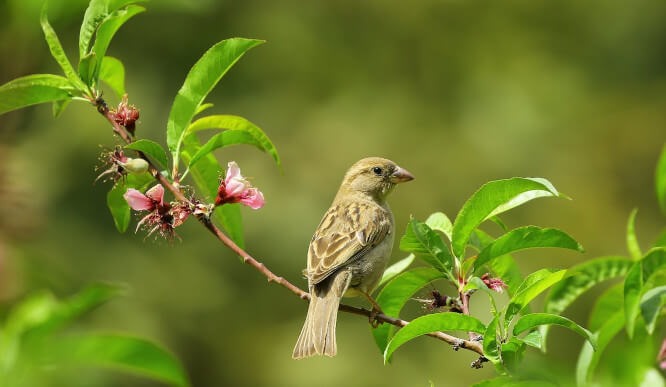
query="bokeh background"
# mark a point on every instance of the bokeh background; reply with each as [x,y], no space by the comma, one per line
[457,92]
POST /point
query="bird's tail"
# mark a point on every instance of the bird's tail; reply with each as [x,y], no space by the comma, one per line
[318,333]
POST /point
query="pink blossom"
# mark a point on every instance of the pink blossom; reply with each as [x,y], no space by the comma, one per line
[236,189]
[163,216]
[661,357]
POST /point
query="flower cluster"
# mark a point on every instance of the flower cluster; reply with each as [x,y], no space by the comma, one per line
[236,189]
[118,165]
[162,217]
[165,217]
[126,115]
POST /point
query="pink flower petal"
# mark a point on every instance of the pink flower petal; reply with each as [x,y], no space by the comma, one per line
[234,182]
[253,198]
[156,194]
[138,201]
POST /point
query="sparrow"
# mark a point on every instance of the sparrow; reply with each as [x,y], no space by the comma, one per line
[349,250]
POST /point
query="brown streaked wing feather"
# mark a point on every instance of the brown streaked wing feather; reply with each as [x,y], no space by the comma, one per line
[346,232]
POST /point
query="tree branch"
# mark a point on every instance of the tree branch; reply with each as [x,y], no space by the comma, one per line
[456,342]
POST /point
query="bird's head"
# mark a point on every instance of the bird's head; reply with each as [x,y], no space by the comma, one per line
[374,176]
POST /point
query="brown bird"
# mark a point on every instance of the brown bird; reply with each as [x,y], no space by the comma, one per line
[349,251]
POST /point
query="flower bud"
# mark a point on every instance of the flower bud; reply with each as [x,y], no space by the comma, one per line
[135,166]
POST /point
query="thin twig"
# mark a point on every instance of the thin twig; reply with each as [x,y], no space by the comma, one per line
[456,342]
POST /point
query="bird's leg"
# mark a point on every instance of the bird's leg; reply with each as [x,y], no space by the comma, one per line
[376,310]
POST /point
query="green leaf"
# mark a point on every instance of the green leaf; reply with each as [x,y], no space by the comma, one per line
[95,13]
[112,72]
[396,269]
[652,304]
[238,131]
[107,29]
[58,53]
[447,321]
[490,343]
[124,353]
[589,357]
[525,238]
[151,149]
[120,210]
[203,107]
[533,339]
[34,89]
[660,180]
[513,352]
[42,312]
[579,279]
[201,79]
[395,295]
[533,320]
[534,284]
[438,221]
[492,199]
[206,174]
[59,106]
[632,242]
[634,283]
[605,306]
[422,240]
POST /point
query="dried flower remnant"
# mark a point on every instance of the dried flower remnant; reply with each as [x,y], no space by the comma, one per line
[495,284]
[163,217]
[236,189]
[126,115]
[118,165]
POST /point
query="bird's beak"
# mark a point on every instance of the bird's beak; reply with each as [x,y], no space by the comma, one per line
[401,175]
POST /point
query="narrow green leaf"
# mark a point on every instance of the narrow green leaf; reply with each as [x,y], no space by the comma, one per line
[206,175]
[151,149]
[660,180]
[107,29]
[447,321]
[533,320]
[86,68]
[395,295]
[492,199]
[490,343]
[579,279]
[438,221]
[632,242]
[534,284]
[396,269]
[59,106]
[58,53]
[34,89]
[31,312]
[525,238]
[201,79]
[422,240]
[605,306]
[124,353]
[634,282]
[203,107]
[589,357]
[238,130]
[95,13]
[652,305]
[120,210]
[112,72]
[513,352]
[533,339]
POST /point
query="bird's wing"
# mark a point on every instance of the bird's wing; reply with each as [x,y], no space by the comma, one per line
[347,231]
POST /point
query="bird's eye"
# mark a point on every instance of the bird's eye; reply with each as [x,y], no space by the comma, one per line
[377,171]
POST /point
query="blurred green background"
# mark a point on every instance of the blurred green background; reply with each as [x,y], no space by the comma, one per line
[457,92]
